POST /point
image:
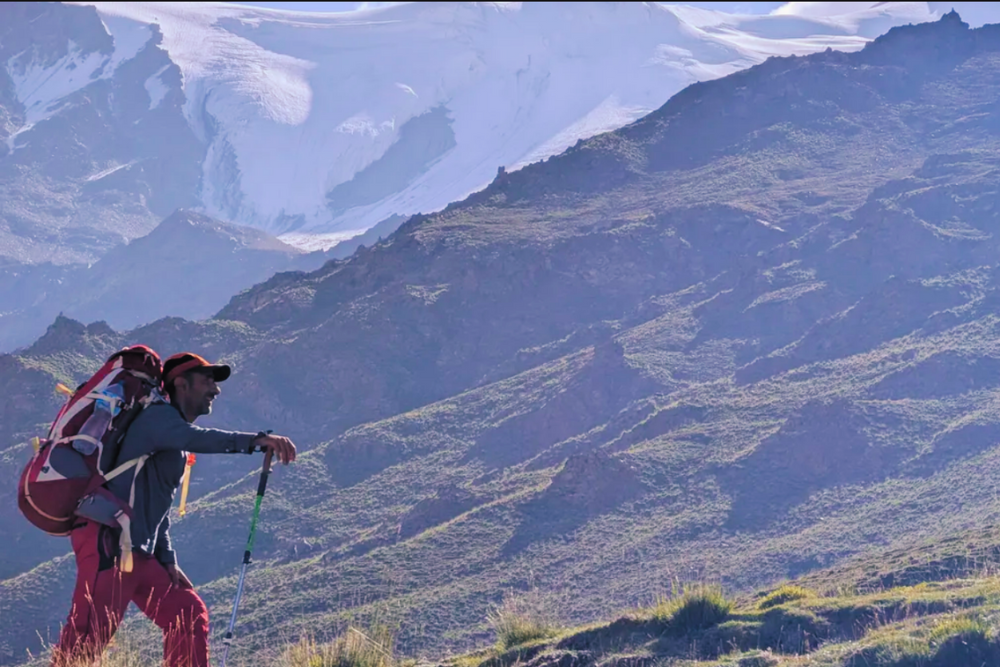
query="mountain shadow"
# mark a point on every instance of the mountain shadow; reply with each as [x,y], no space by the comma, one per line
[604,387]
[588,485]
[824,444]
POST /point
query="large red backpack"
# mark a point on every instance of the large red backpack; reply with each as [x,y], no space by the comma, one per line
[66,476]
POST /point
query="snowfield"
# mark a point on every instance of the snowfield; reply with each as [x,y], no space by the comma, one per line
[318,126]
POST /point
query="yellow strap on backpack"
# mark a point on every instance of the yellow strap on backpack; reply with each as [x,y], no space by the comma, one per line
[185,482]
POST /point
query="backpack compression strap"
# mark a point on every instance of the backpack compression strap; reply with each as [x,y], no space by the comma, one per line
[123,518]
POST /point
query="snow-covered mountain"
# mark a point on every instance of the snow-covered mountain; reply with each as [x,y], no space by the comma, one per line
[92,152]
[318,126]
[328,123]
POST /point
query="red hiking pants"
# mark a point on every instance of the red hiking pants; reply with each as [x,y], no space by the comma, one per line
[103,593]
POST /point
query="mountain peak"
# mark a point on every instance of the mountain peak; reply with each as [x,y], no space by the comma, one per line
[205,262]
[941,43]
[183,226]
[66,334]
[953,16]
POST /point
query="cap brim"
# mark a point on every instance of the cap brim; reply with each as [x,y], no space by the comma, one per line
[220,372]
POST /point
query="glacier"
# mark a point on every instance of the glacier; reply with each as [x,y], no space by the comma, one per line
[320,125]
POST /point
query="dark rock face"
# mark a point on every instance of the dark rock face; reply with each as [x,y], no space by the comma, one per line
[422,141]
[103,167]
[594,480]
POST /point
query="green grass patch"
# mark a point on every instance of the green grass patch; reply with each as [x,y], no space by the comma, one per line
[934,641]
[696,608]
[787,593]
[961,626]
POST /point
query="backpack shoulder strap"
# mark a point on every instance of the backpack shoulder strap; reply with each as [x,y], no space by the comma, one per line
[125,466]
[121,429]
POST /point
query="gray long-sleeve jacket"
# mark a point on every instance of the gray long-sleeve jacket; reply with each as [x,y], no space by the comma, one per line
[162,432]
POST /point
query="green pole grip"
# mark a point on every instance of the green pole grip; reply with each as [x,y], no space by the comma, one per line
[261,488]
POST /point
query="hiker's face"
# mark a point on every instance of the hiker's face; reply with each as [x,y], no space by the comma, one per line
[201,391]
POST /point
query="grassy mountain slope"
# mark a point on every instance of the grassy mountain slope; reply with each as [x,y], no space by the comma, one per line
[925,605]
[744,338]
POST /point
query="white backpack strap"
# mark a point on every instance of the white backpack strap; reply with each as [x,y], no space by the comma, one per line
[125,466]
[125,541]
[139,462]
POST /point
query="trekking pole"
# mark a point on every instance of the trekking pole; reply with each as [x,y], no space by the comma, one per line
[228,640]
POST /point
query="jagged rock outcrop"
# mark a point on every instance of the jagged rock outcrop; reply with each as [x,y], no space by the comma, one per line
[593,481]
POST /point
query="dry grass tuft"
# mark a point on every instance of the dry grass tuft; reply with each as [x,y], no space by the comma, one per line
[519,620]
[355,648]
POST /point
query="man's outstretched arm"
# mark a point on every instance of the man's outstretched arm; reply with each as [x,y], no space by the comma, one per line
[161,427]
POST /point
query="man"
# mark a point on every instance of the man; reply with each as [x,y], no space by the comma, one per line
[104,588]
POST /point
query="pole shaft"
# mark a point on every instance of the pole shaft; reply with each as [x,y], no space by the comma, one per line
[261,487]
